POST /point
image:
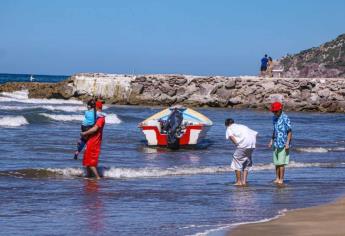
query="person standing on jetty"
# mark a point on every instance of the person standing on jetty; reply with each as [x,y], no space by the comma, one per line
[244,139]
[93,144]
[270,65]
[280,141]
[263,68]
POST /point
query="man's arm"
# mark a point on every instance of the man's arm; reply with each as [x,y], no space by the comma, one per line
[289,137]
[233,140]
[289,134]
[271,141]
[91,131]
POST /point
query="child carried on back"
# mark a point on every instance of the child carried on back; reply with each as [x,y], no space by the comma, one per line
[89,121]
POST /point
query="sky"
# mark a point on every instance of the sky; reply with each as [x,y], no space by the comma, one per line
[200,37]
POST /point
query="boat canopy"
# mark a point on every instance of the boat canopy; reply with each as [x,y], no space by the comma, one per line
[189,115]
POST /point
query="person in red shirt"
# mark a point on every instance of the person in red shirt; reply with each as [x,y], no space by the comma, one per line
[93,145]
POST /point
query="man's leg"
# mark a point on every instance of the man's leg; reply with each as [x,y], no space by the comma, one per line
[277,175]
[95,172]
[281,174]
[238,178]
[88,172]
[80,145]
[245,176]
[247,165]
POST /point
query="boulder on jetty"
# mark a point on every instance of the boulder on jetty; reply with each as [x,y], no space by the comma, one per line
[297,94]
[61,90]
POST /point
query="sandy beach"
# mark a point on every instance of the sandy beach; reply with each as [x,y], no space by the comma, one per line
[322,220]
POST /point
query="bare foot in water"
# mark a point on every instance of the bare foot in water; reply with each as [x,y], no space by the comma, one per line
[238,184]
[276,181]
[280,182]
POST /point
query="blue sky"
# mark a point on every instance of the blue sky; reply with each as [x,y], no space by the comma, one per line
[203,37]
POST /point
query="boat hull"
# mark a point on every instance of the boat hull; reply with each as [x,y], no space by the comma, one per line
[192,135]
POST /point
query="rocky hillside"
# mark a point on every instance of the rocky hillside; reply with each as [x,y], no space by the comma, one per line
[325,61]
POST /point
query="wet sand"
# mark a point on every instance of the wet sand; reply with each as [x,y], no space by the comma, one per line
[322,220]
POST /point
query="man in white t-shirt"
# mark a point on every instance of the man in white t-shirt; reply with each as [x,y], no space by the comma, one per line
[244,139]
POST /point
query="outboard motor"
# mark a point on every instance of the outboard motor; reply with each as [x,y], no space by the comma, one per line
[173,128]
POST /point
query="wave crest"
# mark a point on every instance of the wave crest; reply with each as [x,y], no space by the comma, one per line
[320,149]
[46,107]
[312,149]
[112,119]
[147,172]
[150,172]
[23,94]
[13,121]
[63,117]
[23,97]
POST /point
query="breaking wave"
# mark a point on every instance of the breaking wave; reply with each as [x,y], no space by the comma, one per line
[110,119]
[13,121]
[63,117]
[23,94]
[23,97]
[312,149]
[148,172]
[320,149]
[46,107]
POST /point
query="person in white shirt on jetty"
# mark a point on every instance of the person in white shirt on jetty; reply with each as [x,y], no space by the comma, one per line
[244,139]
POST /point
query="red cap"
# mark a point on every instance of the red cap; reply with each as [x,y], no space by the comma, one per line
[99,104]
[276,106]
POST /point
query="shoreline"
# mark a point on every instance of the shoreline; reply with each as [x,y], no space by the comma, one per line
[323,220]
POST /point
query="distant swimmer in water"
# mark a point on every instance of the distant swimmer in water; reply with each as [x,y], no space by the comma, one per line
[93,144]
[89,121]
[32,78]
[244,139]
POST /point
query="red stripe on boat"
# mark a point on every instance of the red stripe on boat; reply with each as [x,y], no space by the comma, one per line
[162,138]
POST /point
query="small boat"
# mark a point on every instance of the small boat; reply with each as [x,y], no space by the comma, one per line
[174,127]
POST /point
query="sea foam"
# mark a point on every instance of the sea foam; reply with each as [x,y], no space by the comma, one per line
[69,172]
[150,172]
[312,149]
[222,229]
[13,121]
[46,107]
[23,97]
[63,117]
[23,94]
[320,149]
[110,119]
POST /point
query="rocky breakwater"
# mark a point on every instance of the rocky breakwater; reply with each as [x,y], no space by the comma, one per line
[297,94]
[62,90]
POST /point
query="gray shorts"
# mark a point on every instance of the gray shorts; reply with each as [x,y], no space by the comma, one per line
[242,159]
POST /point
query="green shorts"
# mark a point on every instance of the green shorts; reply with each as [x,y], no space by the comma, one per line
[280,157]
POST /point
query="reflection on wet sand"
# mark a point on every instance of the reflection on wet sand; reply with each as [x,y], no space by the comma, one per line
[93,205]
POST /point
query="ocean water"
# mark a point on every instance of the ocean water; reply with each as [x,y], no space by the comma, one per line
[26,78]
[153,191]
